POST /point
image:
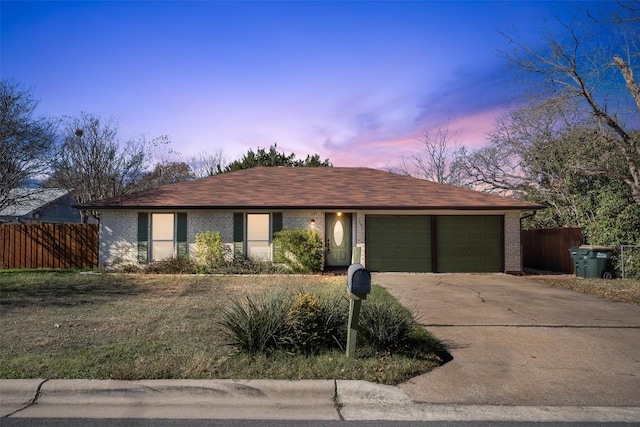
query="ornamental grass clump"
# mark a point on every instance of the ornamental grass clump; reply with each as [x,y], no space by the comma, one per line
[386,325]
[256,323]
[315,322]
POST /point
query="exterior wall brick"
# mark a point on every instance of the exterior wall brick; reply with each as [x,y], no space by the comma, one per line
[302,220]
[210,220]
[118,237]
[512,257]
[358,222]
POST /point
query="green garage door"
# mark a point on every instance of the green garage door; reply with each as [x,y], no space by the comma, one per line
[469,244]
[398,243]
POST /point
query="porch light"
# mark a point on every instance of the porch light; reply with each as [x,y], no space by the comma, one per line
[339,214]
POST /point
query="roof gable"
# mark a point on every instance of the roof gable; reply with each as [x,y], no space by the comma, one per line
[324,188]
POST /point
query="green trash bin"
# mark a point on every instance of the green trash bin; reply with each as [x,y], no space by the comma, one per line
[597,261]
[573,253]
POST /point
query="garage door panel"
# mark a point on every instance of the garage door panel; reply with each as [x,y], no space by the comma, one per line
[468,244]
[398,243]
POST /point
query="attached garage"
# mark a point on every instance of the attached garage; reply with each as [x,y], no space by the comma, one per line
[444,244]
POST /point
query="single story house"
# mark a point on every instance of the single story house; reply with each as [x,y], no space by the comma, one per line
[387,222]
[40,205]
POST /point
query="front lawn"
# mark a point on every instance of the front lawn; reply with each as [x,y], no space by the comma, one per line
[623,290]
[121,326]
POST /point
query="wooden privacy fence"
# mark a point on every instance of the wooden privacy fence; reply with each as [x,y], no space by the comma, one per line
[48,246]
[548,248]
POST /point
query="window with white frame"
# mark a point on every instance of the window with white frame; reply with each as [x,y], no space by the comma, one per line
[258,233]
[162,236]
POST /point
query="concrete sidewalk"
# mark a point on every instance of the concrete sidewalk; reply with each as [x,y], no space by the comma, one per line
[262,399]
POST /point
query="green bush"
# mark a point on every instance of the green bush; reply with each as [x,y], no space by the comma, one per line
[304,321]
[209,251]
[299,250]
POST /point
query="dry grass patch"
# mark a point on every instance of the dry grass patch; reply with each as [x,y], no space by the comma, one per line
[623,290]
[129,326]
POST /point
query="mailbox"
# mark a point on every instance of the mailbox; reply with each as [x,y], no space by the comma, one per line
[358,280]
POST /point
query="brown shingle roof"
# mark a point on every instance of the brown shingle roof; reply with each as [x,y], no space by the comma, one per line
[324,188]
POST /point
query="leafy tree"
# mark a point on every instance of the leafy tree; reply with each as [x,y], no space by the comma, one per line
[92,161]
[274,158]
[592,64]
[26,144]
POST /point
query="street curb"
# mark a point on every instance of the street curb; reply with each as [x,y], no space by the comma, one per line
[227,392]
[265,399]
[362,400]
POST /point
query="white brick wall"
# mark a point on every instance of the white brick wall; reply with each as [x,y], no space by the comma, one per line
[213,220]
[118,237]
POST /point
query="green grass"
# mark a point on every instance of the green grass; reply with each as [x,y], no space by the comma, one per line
[60,324]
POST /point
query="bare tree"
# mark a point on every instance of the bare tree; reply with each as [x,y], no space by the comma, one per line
[436,161]
[94,163]
[579,67]
[26,143]
[165,173]
[207,163]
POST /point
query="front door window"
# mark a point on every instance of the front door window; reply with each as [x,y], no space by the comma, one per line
[338,239]
[338,233]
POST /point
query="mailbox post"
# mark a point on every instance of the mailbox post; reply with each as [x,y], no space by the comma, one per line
[358,286]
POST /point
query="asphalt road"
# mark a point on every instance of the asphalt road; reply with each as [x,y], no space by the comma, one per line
[84,422]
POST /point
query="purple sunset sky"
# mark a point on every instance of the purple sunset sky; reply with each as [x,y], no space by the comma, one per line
[356,82]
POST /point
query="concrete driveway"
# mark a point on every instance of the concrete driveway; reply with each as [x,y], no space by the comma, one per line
[515,341]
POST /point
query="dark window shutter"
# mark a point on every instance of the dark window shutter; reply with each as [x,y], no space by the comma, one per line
[238,235]
[276,222]
[181,234]
[143,236]
[276,225]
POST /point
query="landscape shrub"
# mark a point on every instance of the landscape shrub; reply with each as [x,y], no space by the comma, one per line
[315,322]
[209,252]
[175,265]
[299,250]
[304,332]
[249,266]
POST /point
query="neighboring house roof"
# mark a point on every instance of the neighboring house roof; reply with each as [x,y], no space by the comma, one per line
[31,200]
[310,187]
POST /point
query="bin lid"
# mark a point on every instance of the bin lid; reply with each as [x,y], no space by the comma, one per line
[597,248]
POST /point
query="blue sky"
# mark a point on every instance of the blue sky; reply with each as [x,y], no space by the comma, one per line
[356,82]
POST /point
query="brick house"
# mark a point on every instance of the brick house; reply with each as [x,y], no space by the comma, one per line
[387,222]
